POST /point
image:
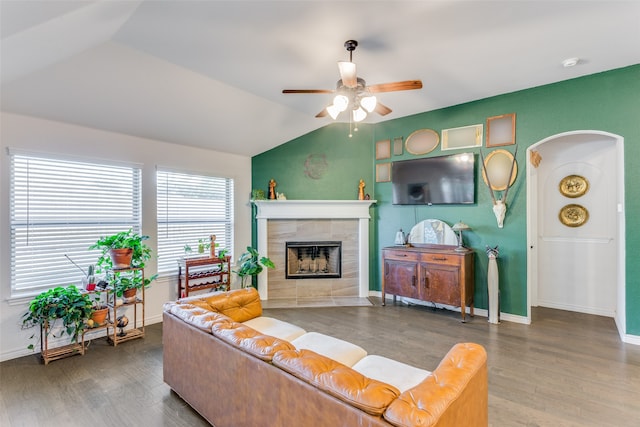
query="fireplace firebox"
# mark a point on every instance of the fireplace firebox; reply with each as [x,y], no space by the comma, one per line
[313,260]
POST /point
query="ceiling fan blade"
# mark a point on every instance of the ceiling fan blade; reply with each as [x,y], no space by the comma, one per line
[348,73]
[382,109]
[307,91]
[322,113]
[396,86]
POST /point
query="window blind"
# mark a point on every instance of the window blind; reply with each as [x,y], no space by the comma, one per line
[191,207]
[61,207]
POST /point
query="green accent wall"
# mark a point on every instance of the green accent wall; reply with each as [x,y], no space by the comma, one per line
[326,164]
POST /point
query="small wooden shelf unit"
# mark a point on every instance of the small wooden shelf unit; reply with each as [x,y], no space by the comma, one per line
[203,272]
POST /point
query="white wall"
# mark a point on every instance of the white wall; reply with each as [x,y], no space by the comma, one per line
[42,136]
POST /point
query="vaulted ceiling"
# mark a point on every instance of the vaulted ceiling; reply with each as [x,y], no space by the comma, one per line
[211,73]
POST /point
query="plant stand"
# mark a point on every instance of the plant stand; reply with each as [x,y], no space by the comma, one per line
[113,336]
[48,354]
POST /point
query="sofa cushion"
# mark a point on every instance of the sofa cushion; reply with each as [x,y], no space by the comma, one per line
[341,381]
[274,327]
[398,374]
[239,304]
[334,348]
[197,316]
[250,340]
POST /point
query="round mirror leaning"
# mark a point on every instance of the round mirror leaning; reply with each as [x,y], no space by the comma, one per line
[432,232]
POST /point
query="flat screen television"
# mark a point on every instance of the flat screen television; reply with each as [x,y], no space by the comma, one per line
[440,180]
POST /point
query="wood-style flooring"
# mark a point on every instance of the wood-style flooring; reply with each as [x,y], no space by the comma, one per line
[565,369]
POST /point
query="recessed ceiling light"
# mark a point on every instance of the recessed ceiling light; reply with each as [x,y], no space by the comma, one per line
[570,62]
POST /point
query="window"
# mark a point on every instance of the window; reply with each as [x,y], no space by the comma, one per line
[191,207]
[58,209]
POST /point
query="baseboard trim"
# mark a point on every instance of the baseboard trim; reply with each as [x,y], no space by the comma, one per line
[481,312]
[22,352]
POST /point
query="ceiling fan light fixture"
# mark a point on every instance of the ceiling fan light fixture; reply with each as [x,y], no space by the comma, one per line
[348,73]
[333,111]
[369,103]
[359,114]
[340,102]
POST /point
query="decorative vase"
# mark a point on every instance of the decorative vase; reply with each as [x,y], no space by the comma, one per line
[121,258]
[493,286]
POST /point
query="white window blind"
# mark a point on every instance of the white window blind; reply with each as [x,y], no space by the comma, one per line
[191,207]
[61,207]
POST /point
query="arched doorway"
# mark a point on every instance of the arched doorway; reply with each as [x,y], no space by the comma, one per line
[575,226]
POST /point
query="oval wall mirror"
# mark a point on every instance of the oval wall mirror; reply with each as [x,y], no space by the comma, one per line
[498,164]
[422,141]
[432,232]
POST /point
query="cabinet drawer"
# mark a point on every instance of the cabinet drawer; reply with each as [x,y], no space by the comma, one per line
[401,255]
[436,258]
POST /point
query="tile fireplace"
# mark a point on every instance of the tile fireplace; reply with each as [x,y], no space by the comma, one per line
[342,221]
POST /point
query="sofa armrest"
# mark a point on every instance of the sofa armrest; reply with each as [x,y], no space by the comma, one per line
[239,304]
[199,317]
[455,394]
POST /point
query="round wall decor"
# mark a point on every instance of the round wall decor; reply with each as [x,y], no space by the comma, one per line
[573,186]
[498,164]
[422,141]
[573,215]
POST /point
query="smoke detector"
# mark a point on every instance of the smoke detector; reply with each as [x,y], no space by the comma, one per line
[570,62]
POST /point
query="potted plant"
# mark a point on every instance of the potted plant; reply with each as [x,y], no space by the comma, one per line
[251,264]
[100,311]
[68,305]
[124,284]
[126,244]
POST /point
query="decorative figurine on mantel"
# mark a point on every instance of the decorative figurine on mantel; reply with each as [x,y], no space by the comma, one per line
[361,190]
[272,189]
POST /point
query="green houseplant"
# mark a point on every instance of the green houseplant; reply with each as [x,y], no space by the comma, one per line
[68,305]
[251,264]
[123,241]
[140,254]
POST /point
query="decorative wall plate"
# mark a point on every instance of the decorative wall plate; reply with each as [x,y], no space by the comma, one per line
[573,215]
[422,141]
[573,186]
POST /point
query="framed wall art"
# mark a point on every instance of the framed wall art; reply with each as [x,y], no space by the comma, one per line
[383,172]
[462,137]
[383,149]
[497,165]
[397,146]
[501,130]
[422,141]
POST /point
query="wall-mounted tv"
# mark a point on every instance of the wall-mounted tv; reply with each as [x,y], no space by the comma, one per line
[435,180]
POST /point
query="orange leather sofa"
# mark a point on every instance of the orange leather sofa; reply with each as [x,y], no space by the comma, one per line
[237,376]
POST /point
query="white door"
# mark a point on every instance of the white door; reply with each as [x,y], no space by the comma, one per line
[576,258]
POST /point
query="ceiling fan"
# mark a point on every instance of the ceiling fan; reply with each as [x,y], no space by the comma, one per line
[352,92]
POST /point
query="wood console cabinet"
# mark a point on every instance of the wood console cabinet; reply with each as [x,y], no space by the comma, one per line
[435,274]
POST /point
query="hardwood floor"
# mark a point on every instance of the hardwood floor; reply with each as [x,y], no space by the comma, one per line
[566,369]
